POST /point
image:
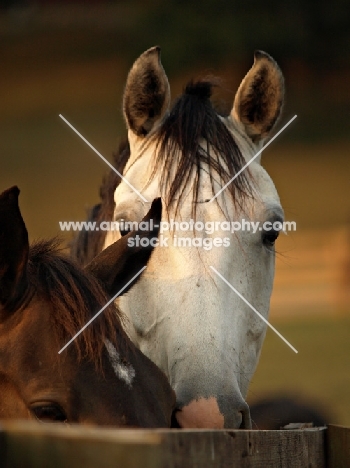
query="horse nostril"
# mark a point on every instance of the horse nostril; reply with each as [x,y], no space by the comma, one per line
[174,422]
[246,419]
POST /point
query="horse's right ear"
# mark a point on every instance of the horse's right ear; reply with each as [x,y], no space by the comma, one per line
[14,248]
[147,93]
[259,99]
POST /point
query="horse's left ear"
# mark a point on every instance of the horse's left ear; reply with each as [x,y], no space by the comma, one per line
[115,266]
[147,93]
[259,99]
[14,247]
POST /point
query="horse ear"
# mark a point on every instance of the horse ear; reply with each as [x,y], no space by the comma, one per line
[147,93]
[115,266]
[14,247]
[259,99]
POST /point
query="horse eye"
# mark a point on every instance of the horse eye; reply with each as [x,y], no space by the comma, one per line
[270,237]
[49,413]
[124,232]
[123,227]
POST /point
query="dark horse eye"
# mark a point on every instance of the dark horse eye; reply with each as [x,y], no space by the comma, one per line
[124,232]
[123,227]
[270,237]
[49,412]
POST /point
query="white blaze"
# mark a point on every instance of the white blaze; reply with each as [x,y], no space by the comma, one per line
[122,371]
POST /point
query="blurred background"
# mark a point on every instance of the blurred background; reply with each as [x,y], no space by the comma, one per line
[72,59]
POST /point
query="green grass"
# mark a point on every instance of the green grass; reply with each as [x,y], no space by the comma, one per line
[320,372]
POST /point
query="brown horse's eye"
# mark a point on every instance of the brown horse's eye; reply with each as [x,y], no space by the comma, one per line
[49,412]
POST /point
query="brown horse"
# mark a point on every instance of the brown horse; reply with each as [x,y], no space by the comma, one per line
[45,299]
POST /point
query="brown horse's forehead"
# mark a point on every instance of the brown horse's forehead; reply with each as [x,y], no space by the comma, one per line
[29,350]
[12,404]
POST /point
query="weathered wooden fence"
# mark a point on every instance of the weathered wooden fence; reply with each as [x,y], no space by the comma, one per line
[27,445]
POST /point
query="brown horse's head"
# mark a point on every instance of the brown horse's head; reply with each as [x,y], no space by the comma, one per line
[45,300]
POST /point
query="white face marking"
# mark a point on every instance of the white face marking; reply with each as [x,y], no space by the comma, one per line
[122,371]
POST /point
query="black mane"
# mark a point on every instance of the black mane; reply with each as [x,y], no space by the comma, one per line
[194,131]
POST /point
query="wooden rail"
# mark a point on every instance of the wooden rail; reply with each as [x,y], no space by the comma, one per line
[29,444]
[338,447]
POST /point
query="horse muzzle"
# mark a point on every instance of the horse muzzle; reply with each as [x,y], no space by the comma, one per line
[205,413]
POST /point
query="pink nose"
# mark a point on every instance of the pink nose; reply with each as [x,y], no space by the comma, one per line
[204,413]
[201,413]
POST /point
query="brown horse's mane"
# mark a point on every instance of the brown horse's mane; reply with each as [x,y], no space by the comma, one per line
[76,296]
